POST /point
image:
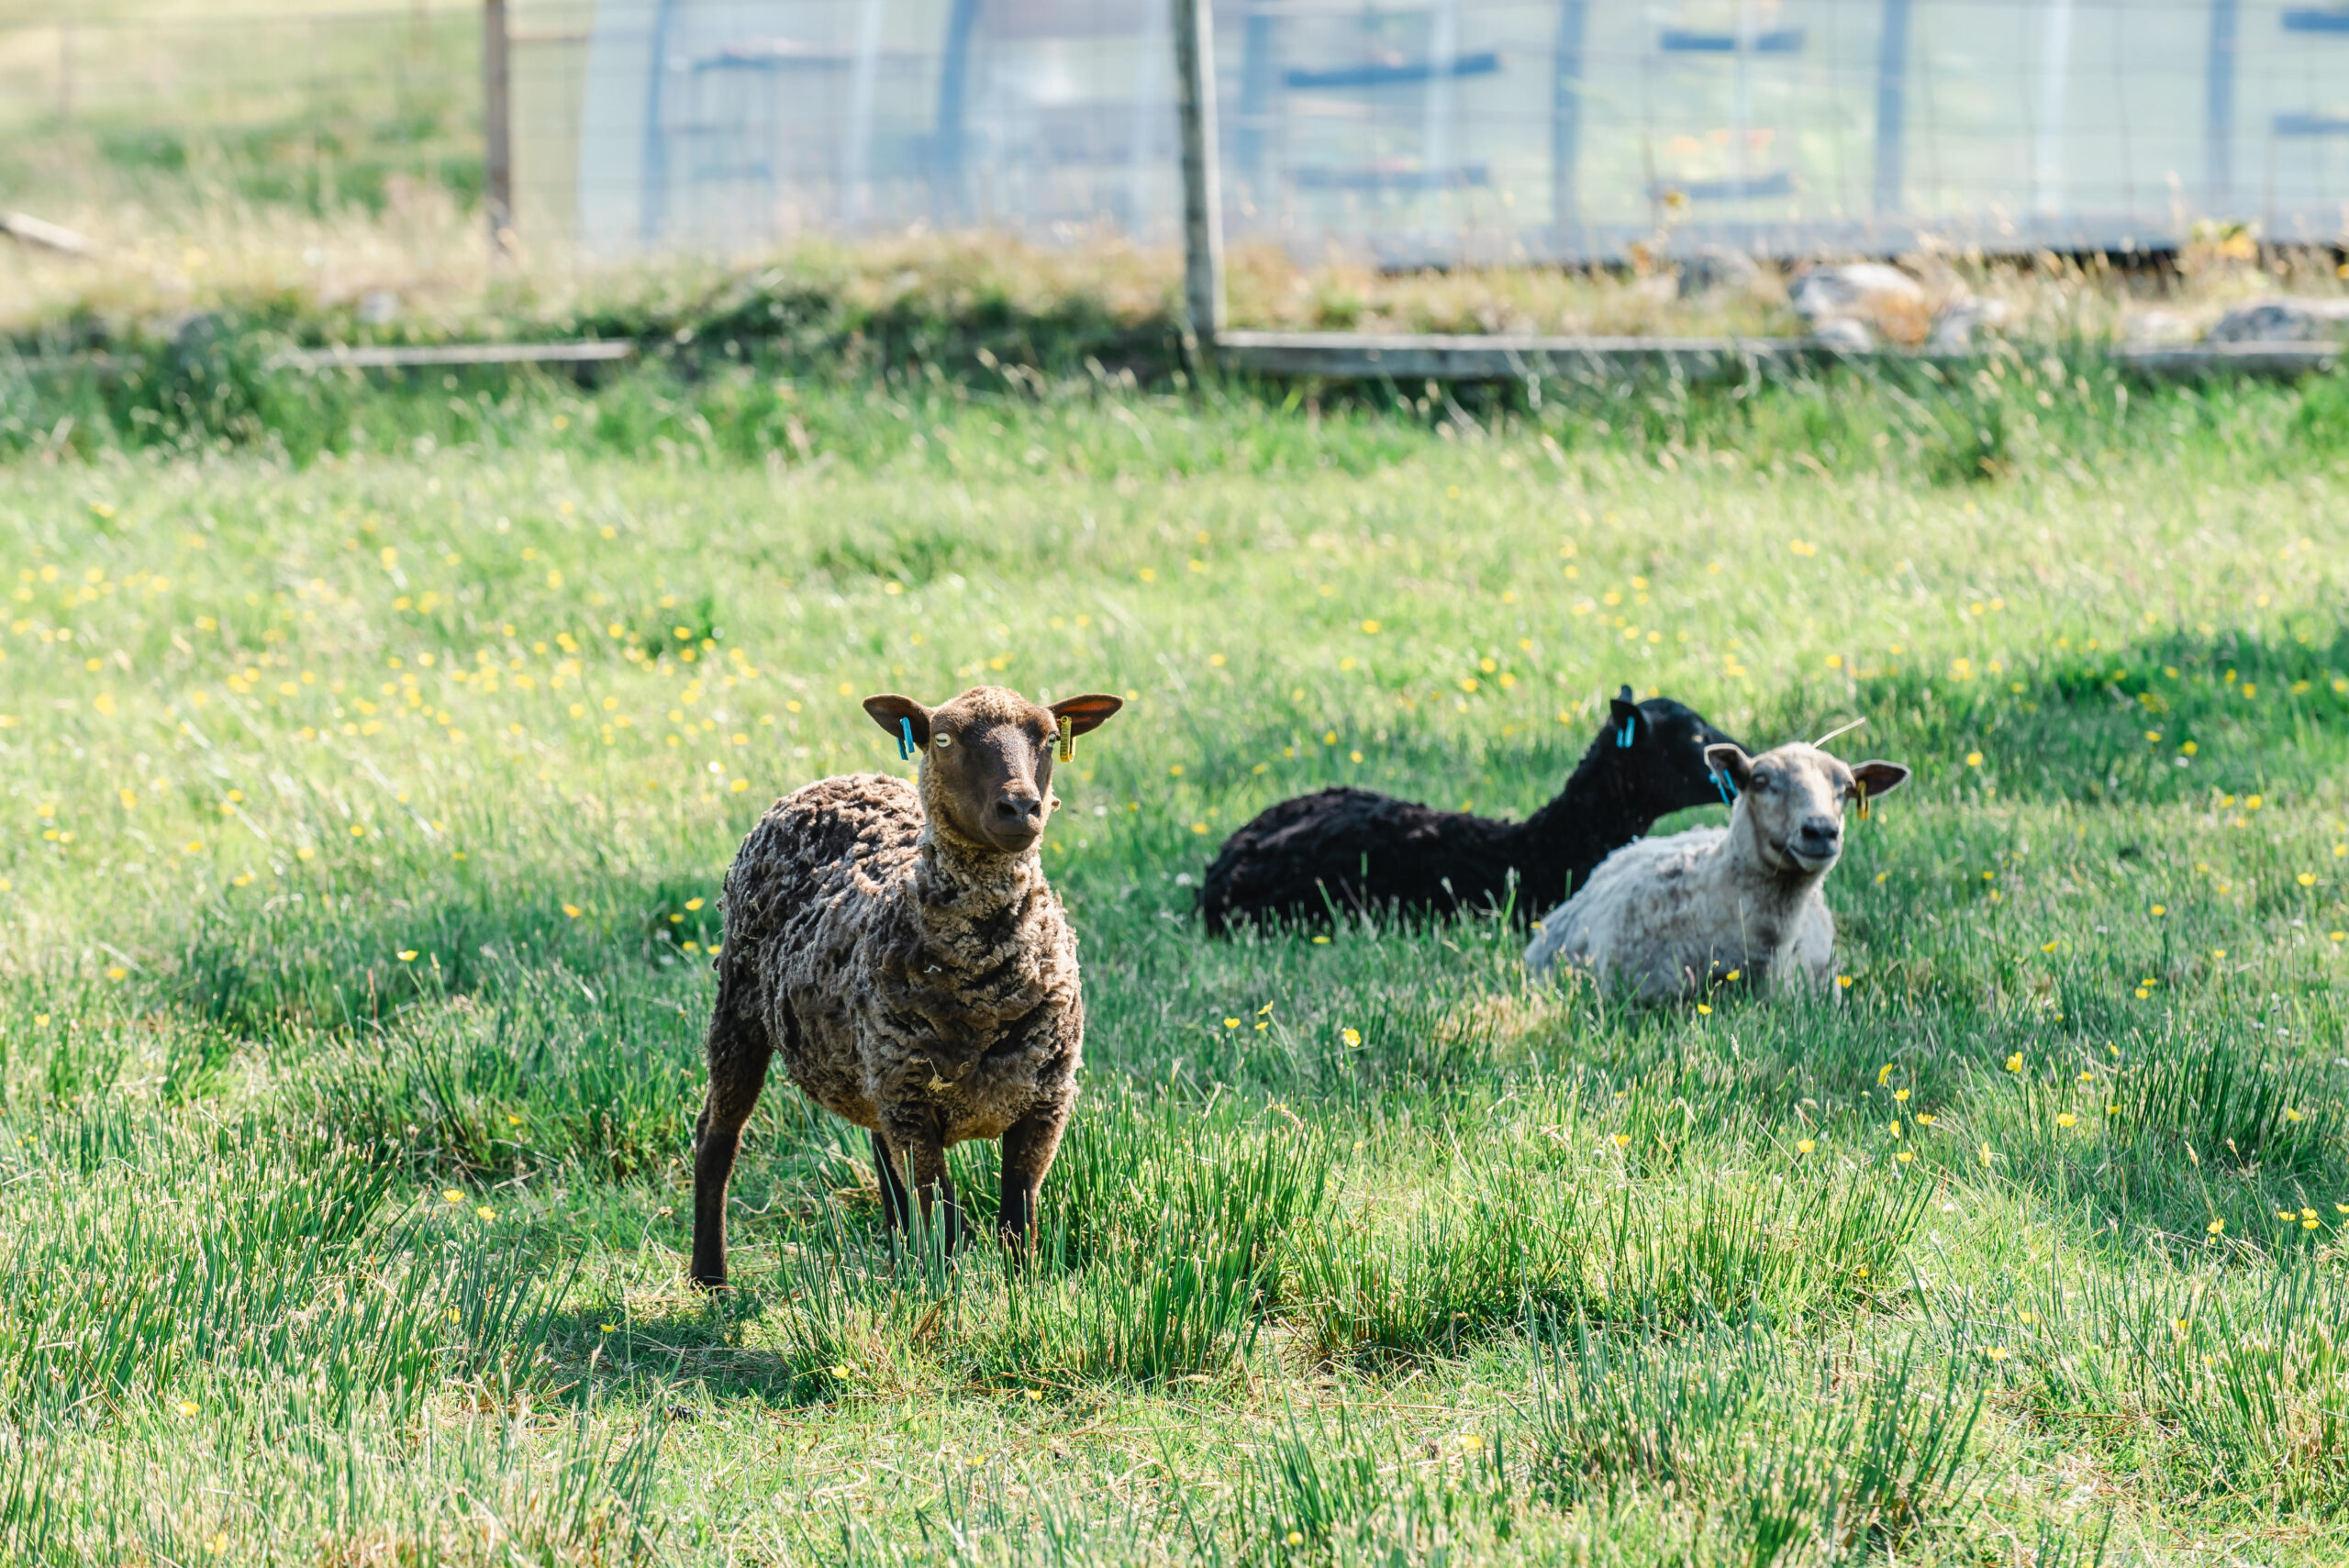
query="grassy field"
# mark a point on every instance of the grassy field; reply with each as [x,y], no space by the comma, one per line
[365,817]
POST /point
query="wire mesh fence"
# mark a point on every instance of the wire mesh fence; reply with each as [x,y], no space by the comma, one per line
[720,123]
[1422,131]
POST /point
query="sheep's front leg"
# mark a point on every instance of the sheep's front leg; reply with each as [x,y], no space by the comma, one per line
[739,1053]
[925,1155]
[1029,1146]
[896,1204]
[935,1188]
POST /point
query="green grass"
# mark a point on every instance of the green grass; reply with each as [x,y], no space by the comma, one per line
[369,759]
[309,111]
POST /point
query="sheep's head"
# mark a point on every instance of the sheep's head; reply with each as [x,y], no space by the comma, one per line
[986,759]
[1656,751]
[1793,798]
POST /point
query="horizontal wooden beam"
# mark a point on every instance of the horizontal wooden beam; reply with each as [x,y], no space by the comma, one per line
[1469,356]
[419,356]
[1396,356]
[1413,356]
[43,234]
[2192,359]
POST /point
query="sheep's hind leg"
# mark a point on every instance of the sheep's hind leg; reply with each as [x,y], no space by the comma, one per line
[1029,1146]
[739,1054]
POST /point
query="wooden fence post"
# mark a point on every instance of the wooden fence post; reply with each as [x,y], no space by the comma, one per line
[1202,190]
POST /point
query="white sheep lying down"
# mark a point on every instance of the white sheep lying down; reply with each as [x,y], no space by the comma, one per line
[1670,916]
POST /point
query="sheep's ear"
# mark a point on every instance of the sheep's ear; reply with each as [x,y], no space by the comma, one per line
[1879,779]
[1626,720]
[1731,763]
[1087,714]
[892,713]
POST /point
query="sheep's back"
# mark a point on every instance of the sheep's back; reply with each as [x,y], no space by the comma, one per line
[805,909]
[880,1003]
[837,837]
[1637,901]
[1360,850]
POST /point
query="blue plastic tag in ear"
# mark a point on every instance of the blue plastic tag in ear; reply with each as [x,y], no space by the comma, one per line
[906,747]
[1729,790]
[1623,741]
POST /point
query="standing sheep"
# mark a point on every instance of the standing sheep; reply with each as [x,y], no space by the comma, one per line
[1358,852]
[1666,917]
[903,951]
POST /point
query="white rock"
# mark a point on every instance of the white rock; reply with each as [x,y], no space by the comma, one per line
[1955,328]
[1845,334]
[1853,287]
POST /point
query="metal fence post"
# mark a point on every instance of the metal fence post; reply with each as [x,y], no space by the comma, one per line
[949,195]
[1256,103]
[1892,109]
[497,147]
[2219,109]
[1202,191]
[1566,129]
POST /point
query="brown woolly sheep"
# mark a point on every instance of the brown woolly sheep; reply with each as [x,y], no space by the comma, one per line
[1665,916]
[904,952]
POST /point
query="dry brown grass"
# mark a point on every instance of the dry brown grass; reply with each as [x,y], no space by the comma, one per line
[432,259]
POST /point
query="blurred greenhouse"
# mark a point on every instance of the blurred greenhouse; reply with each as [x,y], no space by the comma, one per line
[1397,130]
[1433,131]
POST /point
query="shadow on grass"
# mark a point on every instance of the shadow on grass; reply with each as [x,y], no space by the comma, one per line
[700,1347]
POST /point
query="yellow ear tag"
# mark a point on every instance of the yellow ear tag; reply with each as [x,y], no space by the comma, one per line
[1068,738]
[1863,790]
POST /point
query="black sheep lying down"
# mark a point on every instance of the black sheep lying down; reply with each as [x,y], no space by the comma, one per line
[1350,852]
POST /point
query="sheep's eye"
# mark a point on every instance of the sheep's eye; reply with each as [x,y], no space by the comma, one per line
[942,740]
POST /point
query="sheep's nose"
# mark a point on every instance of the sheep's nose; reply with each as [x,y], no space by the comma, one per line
[1017,810]
[1820,834]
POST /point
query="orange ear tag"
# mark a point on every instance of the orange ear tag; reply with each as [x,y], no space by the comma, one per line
[1068,738]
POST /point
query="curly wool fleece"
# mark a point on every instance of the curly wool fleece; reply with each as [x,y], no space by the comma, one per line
[903,951]
[920,988]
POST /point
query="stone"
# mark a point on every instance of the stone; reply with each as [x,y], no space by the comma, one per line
[2289,319]
[1960,319]
[1853,288]
[1844,334]
[1717,268]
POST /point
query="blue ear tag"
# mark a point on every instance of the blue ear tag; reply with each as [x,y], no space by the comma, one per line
[906,747]
[1729,790]
[1623,741]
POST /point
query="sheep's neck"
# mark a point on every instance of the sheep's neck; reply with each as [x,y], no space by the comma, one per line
[959,881]
[957,884]
[1769,897]
[1596,808]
